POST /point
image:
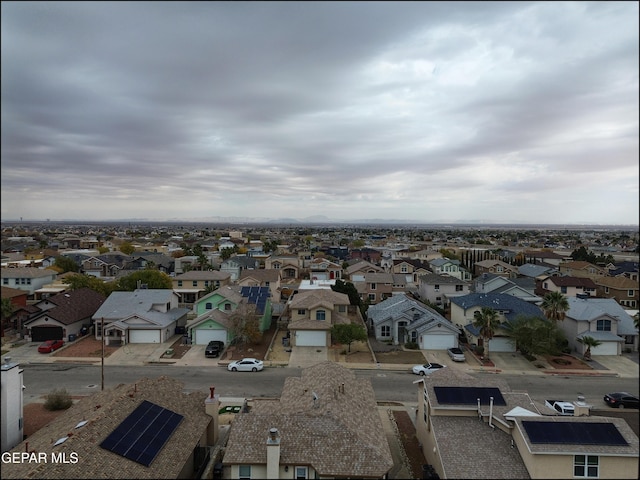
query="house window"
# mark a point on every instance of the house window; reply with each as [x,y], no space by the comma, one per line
[206,283]
[499,269]
[603,325]
[208,306]
[227,307]
[372,297]
[563,289]
[585,466]
[459,288]
[629,293]
[301,472]
[195,283]
[606,289]
[436,288]
[321,315]
[439,300]
[301,311]
[342,308]
[244,472]
[403,269]
[385,331]
[414,336]
[373,286]
[5,281]
[179,283]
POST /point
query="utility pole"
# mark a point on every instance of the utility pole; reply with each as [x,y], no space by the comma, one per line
[102,362]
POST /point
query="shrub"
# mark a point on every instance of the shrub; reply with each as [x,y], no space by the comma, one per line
[411,345]
[479,350]
[58,400]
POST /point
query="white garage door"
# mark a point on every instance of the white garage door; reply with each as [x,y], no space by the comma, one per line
[438,342]
[607,348]
[205,335]
[501,344]
[309,338]
[144,336]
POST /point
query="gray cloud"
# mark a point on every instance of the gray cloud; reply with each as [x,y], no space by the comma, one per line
[405,110]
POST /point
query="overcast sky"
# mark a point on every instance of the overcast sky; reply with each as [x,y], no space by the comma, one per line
[428,111]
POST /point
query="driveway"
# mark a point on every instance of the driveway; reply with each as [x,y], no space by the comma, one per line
[308,356]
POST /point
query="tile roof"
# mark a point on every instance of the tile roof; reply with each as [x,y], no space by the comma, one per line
[340,434]
[104,411]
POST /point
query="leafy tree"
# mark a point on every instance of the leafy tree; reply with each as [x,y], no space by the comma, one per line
[348,333]
[358,243]
[245,328]
[80,280]
[127,248]
[66,264]
[349,289]
[535,336]
[226,253]
[150,278]
[589,342]
[102,250]
[6,309]
[450,254]
[555,306]
[487,321]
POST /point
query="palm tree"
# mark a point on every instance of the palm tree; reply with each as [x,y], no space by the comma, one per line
[487,321]
[588,342]
[555,306]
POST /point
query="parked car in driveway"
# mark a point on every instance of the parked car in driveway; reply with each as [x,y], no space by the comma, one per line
[456,354]
[246,365]
[427,368]
[214,349]
[621,400]
[50,346]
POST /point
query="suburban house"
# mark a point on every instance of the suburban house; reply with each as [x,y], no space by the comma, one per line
[18,299]
[106,265]
[411,269]
[144,260]
[63,316]
[624,290]
[148,429]
[289,266]
[438,289]
[323,269]
[507,307]
[214,320]
[544,257]
[325,424]
[141,316]
[603,319]
[28,279]
[236,264]
[505,434]
[375,288]
[12,403]
[355,271]
[521,287]
[369,254]
[401,319]
[59,285]
[446,266]
[625,269]
[313,313]
[566,285]
[534,271]
[193,284]
[497,267]
[579,268]
[269,278]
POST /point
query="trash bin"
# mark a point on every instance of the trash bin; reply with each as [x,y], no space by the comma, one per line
[285,342]
[72,337]
[217,470]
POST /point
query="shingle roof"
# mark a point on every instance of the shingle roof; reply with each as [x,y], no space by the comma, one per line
[587,309]
[104,411]
[73,306]
[26,272]
[310,298]
[120,305]
[340,434]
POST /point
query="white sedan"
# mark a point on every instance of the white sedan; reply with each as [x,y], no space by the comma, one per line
[427,368]
[246,365]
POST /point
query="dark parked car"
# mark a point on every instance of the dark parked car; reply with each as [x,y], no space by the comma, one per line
[50,345]
[621,400]
[214,349]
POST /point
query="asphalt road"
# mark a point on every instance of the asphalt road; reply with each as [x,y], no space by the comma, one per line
[41,379]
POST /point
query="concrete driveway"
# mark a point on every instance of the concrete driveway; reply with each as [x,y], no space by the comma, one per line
[308,356]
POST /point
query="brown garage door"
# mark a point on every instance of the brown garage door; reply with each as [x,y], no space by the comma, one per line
[44,333]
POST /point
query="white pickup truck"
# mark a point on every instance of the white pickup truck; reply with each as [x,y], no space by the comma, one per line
[562,407]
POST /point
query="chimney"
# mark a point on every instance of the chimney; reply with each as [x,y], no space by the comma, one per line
[211,408]
[273,453]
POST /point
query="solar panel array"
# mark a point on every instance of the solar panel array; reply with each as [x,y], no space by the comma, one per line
[141,435]
[468,395]
[257,296]
[577,433]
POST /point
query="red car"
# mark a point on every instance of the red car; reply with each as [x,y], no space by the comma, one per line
[50,345]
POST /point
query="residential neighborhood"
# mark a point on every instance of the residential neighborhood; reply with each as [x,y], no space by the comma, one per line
[423,292]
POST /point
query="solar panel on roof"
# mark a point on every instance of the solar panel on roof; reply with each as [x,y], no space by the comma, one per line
[144,432]
[574,433]
[468,395]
